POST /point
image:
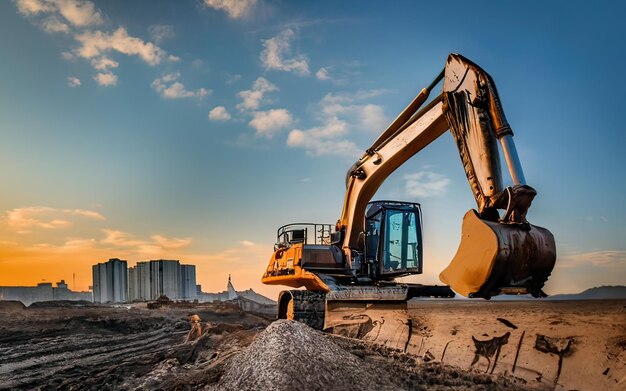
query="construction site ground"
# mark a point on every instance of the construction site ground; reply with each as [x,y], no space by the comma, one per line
[58,346]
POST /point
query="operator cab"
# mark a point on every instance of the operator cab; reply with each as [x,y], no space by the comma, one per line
[393,239]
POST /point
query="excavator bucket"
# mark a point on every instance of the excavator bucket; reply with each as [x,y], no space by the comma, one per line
[495,258]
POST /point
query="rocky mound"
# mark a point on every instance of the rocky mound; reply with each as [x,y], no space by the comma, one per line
[62,304]
[11,305]
[291,356]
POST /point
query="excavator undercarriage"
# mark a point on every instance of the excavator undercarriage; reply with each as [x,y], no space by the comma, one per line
[373,313]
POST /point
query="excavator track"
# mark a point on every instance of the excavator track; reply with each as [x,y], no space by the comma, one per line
[303,306]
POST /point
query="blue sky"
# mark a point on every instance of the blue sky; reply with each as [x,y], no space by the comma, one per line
[193,129]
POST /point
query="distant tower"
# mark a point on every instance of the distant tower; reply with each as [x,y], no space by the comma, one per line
[110,281]
[232,293]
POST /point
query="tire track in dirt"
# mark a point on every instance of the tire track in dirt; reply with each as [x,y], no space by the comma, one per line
[35,365]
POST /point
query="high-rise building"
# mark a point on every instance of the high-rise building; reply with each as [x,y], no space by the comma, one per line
[188,281]
[139,286]
[165,279]
[153,279]
[110,281]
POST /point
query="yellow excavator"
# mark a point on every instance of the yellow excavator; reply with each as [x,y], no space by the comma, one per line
[349,269]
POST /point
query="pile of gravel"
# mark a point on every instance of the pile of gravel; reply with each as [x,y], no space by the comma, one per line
[289,355]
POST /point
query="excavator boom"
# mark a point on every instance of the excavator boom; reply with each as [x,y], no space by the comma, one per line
[518,257]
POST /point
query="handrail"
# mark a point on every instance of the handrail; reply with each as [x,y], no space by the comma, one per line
[307,233]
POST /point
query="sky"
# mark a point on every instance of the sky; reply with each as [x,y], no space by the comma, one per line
[193,129]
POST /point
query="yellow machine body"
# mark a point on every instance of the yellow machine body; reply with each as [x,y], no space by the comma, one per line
[285,268]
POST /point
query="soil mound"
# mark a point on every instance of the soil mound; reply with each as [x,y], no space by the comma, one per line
[291,356]
[11,305]
[61,304]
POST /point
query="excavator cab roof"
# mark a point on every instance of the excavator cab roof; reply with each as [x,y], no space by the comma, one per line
[375,206]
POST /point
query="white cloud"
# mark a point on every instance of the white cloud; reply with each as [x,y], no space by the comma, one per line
[275,50]
[177,91]
[91,214]
[54,25]
[67,56]
[368,116]
[346,98]
[232,79]
[106,79]
[26,218]
[161,32]
[97,43]
[170,77]
[170,243]
[103,63]
[322,74]
[169,88]
[267,123]
[31,7]
[324,140]
[425,184]
[339,114]
[251,99]
[33,217]
[597,258]
[158,244]
[373,117]
[247,243]
[79,13]
[73,81]
[234,8]
[219,113]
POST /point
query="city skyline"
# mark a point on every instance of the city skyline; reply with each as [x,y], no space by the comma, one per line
[192,130]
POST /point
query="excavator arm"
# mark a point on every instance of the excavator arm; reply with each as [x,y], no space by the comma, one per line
[498,254]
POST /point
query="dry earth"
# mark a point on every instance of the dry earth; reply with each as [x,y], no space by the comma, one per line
[133,348]
[577,345]
[105,347]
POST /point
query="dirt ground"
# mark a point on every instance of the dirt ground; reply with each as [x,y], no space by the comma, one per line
[63,347]
[111,347]
[563,344]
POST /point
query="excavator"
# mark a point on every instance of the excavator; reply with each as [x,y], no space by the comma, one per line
[349,269]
